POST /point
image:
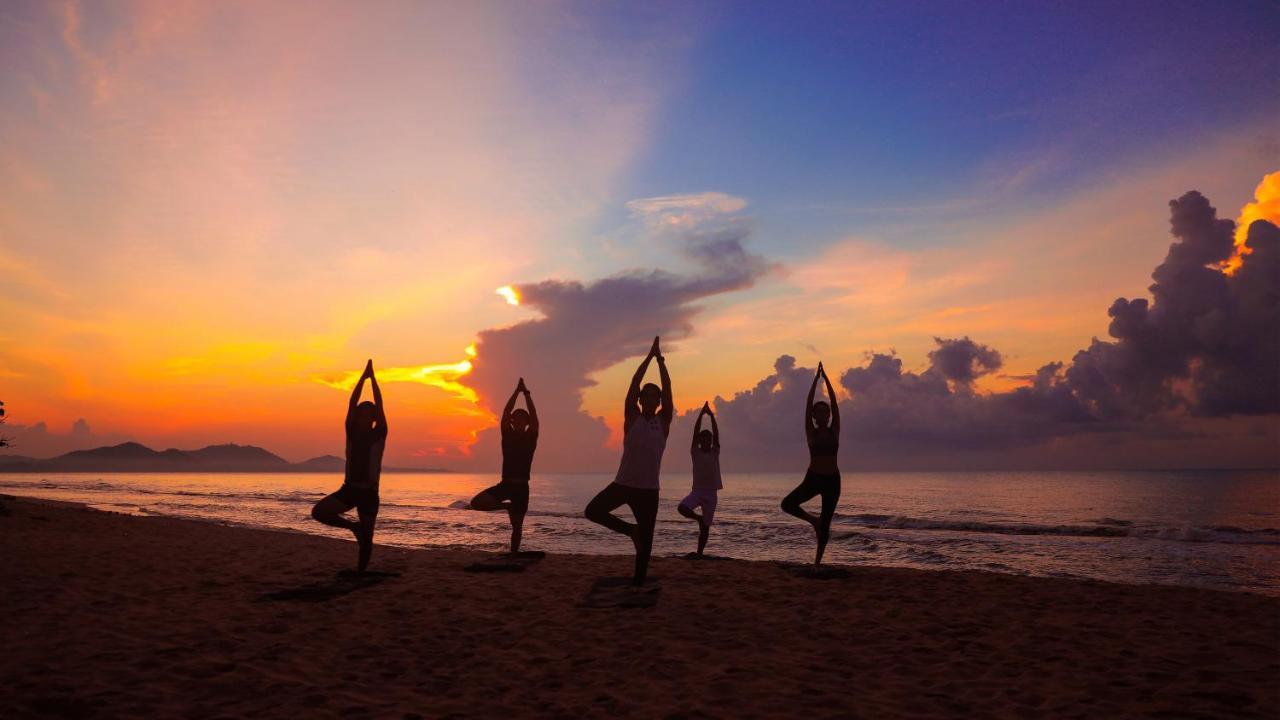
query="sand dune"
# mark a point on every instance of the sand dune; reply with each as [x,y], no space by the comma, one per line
[113,616]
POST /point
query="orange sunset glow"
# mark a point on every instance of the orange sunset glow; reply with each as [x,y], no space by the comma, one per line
[1265,206]
[509,294]
[191,258]
[712,359]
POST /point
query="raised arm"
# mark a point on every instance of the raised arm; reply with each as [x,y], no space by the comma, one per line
[697,428]
[835,406]
[808,403]
[668,411]
[632,409]
[715,430]
[377,399]
[505,423]
[528,403]
[355,392]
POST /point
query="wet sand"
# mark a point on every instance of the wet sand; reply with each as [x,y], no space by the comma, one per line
[116,616]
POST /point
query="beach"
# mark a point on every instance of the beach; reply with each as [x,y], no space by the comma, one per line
[111,615]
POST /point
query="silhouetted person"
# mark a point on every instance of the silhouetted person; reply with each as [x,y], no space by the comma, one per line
[646,421]
[705,452]
[366,440]
[519,440]
[822,430]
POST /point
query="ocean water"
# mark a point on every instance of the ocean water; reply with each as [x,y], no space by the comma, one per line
[1216,529]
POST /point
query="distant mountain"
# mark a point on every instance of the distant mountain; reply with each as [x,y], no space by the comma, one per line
[236,455]
[324,463]
[136,457]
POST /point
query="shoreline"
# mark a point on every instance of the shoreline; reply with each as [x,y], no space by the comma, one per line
[621,557]
[115,614]
[1092,529]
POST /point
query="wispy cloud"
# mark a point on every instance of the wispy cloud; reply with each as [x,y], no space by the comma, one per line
[201,203]
[448,377]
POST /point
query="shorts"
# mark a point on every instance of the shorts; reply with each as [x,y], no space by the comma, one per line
[363,499]
[516,491]
[705,498]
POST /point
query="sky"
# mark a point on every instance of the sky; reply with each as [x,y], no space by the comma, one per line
[211,214]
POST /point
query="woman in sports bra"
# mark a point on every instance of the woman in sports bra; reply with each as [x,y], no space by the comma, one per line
[822,430]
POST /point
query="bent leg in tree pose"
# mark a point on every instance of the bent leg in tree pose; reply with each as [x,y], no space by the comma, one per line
[647,414]
[366,428]
[705,453]
[519,430]
[822,430]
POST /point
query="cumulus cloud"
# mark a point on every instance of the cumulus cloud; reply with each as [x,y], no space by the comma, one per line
[37,440]
[1264,206]
[963,361]
[1206,342]
[586,327]
[1197,358]
[761,428]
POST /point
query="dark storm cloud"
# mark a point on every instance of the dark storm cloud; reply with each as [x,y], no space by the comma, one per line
[1207,342]
[588,327]
[1206,345]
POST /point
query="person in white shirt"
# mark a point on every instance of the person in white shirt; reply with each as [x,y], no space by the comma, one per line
[646,422]
[705,452]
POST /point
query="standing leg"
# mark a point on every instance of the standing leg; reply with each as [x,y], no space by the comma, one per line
[517,528]
[368,512]
[599,510]
[644,505]
[516,509]
[830,497]
[709,502]
[688,512]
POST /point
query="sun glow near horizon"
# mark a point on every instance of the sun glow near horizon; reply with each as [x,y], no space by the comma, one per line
[186,258]
[444,376]
[509,294]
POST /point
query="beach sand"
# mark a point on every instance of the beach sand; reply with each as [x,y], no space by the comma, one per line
[116,616]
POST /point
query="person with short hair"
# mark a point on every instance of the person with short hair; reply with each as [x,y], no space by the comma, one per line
[519,428]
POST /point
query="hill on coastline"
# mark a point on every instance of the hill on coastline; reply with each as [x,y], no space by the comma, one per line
[136,457]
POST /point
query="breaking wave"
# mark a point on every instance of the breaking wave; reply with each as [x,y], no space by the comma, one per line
[1109,527]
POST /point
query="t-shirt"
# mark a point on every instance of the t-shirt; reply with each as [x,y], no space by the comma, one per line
[364,457]
[517,453]
[706,469]
[642,449]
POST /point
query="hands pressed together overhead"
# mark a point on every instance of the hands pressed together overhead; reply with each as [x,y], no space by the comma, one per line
[655,351]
